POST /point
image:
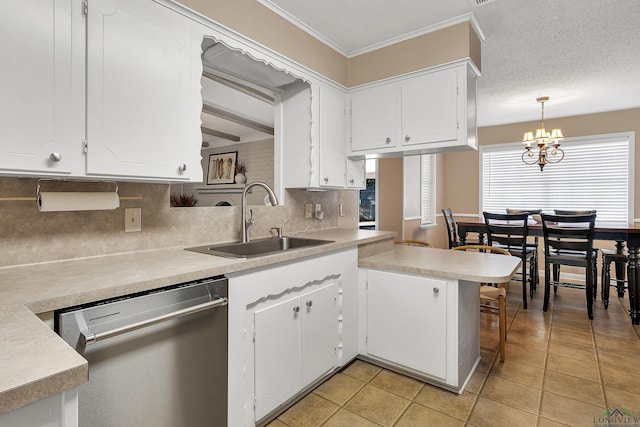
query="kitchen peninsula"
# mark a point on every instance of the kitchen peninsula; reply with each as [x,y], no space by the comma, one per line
[40,365]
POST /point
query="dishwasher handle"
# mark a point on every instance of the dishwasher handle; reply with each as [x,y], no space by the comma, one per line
[91,338]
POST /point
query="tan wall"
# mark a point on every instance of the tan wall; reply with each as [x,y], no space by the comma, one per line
[461,169]
[251,19]
[439,47]
[389,202]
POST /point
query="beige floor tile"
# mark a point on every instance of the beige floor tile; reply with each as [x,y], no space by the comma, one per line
[584,339]
[344,418]
[419,416]
[532,326]
[518,372]
[486,361]
[626,347]
[573,351]
[377,405]
[477,380]
[574,388]
[362,370]
[452,404]
[276,423]
[574,367]
[568,411]
[487,412]
[396,383]
[339,388]
[622,399]
[535,342]
[612,359]
[311,411]
[544,422]
[525,355]
[512,394]
[621,379]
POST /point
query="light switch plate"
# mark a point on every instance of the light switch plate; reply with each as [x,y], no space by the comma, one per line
[341,209]
[132,220]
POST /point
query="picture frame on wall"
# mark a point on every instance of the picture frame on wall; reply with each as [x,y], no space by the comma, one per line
[222,168]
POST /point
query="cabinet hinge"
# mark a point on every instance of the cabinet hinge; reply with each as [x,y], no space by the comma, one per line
[85,7]
[366,339]
[254,335]
[255,402]
[85,146]
[457,125]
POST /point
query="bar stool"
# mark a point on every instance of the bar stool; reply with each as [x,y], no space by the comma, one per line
[619,258]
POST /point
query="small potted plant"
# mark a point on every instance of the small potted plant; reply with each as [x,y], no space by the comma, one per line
[240,177]
[183,200]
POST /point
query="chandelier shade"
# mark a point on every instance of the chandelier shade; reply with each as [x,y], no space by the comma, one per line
[548,143]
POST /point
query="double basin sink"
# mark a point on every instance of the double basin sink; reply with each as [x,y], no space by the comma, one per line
[257,248]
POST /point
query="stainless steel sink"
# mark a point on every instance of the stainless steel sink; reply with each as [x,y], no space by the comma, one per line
[261,247]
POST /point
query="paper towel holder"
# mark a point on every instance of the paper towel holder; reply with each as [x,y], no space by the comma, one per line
[68,180]
[56,201]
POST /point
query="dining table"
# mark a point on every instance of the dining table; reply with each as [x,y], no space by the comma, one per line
[620,232]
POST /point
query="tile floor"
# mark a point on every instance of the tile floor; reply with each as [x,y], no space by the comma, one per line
[560,369]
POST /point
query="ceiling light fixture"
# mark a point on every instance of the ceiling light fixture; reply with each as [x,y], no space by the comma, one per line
[544,140]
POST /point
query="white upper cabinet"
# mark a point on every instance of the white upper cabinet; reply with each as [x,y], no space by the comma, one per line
[143,91]
[36,79]
[313,136]
[124,76]
[427,112]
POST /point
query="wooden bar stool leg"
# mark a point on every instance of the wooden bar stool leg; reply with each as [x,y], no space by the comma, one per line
[606,280]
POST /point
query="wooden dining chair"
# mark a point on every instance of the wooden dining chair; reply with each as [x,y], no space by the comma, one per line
[510,232]
[556,267]
[535,245]
[452,230]
[568,240]
[493,300]
[413,243]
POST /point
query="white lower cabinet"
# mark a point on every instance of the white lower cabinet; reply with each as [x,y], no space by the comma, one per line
[59,410]
[405,321]
[290,325]
[425,326]
[296,342]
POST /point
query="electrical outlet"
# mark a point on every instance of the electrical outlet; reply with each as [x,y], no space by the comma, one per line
[308,213]
[132,220]
[318,211]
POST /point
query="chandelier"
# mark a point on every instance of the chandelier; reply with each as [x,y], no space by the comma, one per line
[549,150]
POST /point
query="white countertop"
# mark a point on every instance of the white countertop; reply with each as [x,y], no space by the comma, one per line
[445,263]
[36,363]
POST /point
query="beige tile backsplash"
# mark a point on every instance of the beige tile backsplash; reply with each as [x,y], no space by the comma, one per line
[29,236]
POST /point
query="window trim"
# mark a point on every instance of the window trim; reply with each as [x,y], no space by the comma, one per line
[590,139]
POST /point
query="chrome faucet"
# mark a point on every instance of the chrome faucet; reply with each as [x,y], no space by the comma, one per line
[246,223]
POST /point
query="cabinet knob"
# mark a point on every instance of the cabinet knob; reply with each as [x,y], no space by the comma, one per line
[407,138]
[436,291]
[182,167]
[55,157]
[388,140]
[351,181]
[309,304]
[326,179]
[296,309]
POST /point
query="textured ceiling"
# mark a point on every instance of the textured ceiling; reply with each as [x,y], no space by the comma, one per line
[583,54]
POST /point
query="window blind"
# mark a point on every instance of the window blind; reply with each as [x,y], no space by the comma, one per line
[427,189]
[594,174]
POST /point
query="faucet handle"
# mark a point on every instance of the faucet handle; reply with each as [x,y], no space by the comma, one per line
[251,219]
[278,230]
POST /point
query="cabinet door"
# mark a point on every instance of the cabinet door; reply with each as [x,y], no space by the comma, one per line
[332,131]
[143,91]
[319,332]
[406,321]
[430,106]
[374,118]
[36,86]
[277,354]
[356,174]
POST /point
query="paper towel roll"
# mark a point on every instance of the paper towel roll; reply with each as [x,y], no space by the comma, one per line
[51,201]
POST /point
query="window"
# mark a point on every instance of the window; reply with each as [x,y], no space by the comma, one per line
[596,173]
[427,190]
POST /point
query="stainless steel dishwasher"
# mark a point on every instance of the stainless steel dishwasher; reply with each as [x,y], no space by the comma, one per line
[157,358]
